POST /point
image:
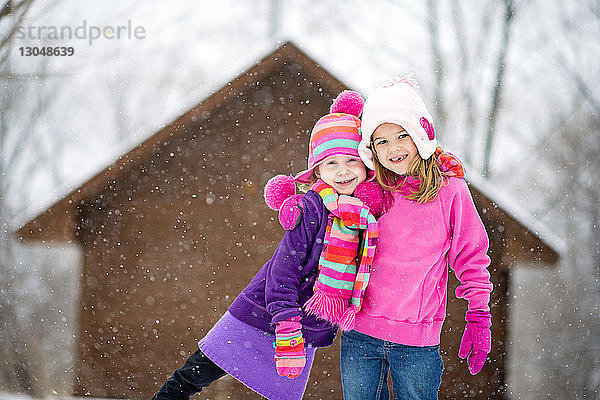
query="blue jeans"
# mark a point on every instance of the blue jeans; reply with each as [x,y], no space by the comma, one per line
[197,373]
[365,361]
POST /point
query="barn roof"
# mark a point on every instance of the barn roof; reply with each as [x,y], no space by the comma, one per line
[531,242]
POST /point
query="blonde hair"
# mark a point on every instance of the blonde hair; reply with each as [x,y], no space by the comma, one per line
[427,171]
[305,187]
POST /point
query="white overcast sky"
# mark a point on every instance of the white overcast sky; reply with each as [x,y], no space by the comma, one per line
[191,48]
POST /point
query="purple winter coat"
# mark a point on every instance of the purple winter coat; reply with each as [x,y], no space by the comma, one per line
[282,286]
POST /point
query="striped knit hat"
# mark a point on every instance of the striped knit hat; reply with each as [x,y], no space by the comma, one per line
[337,133]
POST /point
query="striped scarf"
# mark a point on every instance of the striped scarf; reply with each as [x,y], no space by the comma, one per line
[340,287]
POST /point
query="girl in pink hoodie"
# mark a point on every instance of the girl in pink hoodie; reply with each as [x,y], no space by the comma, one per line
[430,224]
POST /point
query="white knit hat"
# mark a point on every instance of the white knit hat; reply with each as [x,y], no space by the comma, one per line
[397,102]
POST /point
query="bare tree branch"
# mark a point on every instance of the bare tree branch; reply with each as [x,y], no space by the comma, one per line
[438,64]
[465,73]
[17,10]
[578,82]
[21,150]
[509,16]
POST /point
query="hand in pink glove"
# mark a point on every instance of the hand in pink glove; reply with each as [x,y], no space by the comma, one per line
[290,356]
[280,195]
[372,195]
[476,342]
[290,212]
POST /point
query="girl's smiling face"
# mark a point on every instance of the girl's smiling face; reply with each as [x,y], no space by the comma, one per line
[343,173]
[394,148]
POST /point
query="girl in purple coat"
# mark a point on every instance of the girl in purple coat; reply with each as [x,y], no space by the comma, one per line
[314,282]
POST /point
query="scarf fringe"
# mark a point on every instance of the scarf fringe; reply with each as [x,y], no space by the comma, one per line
[348,319]
[326,306]
[338,258]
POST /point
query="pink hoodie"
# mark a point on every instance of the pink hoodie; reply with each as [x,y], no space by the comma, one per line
[405,301]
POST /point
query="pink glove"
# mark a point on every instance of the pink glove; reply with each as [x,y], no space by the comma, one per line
[290,212]
[371,194]
[290,356]
[280,195]
[476,342]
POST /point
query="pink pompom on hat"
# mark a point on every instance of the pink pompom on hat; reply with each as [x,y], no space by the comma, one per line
[337,133]
[398,102]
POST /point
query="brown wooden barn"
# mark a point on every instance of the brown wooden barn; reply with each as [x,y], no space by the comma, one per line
[174,229]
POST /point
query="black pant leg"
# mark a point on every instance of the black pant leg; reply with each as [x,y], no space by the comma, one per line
[197,373]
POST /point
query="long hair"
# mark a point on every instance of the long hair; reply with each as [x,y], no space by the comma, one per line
[305,187]
[427,171]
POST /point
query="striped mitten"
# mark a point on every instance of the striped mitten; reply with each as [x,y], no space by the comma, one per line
[290,356]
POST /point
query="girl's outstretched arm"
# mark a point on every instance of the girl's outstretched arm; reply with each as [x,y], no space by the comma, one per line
[287,270]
